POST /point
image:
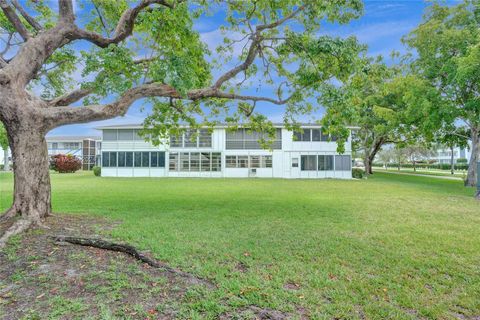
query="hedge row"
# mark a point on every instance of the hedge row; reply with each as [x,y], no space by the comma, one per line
[441,166]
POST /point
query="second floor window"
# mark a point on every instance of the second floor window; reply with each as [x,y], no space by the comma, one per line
[189,139]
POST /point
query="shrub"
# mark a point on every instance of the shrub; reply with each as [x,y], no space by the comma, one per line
[65,163]
[358,173]
[97,171]
[462,160]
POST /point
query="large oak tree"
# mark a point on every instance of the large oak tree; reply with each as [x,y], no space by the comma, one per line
[149,49]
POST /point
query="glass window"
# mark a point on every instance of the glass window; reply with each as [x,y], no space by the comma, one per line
[190,139]
[173,161]
[129,159]
[137,136]
[55,145]
[324,136]
[216,162]
[184,161]
[306,135]
[204,138]
[154,159]
[325,163]
[161,159]
[194,161]
[231,161]
[315,134]
[106,159]
[266,161]
[125,134]
[176,141]
[297,136]
[121,159]
[309,163]
[145,159]
[205,161]
[343,163]
[109,135]
[243,161]
[113,159]
[247,139]
[294,162]
[138,159]
[254,161]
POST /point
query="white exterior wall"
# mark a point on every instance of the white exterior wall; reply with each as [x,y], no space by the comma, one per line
[281,159]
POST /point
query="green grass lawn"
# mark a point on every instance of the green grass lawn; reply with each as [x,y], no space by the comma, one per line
[391,246]
[429,172]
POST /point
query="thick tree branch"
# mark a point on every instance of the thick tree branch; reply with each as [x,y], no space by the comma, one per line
[14,20]
[252,53]
[69,97]
[280,21]
[124,27]
[26,16]
[255,47]
[65,9]
[66,115]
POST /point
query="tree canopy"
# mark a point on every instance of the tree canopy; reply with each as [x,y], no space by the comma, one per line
[446,53]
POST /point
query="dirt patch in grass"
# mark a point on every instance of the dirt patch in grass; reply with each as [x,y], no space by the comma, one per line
[44,279]
[41,279]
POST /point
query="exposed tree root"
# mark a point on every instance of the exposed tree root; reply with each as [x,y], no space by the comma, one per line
[16,228]
[130,250]
[9,214]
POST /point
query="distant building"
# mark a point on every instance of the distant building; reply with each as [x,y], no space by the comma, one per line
[224,153]
[443,155]
[87,148]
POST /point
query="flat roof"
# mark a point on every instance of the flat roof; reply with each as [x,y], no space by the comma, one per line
[71,138]
[140,126]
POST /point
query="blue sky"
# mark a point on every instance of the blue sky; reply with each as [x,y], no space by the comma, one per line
[381,28]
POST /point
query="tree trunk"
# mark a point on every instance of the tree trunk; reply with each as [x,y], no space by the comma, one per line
[452,164]
[368,165]
[32,192]
[414,166]
[471,180]
[6,166]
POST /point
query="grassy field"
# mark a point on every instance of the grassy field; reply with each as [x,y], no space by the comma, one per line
[392,246]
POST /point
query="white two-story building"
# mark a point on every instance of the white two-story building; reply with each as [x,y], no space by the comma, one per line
[224,153]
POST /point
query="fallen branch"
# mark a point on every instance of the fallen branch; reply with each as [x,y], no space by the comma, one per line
[130,250]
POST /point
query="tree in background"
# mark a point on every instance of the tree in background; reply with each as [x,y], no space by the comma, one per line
[447,46]
[415,153]
[386,156]
[379,100]
[4,145]
[452,137]
[151,51]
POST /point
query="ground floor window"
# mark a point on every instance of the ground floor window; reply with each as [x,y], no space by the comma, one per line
[128,159]
[195,161]
[343,163]
[248,161]
[109,159]
[157,159]
[309,163]
[325,162]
